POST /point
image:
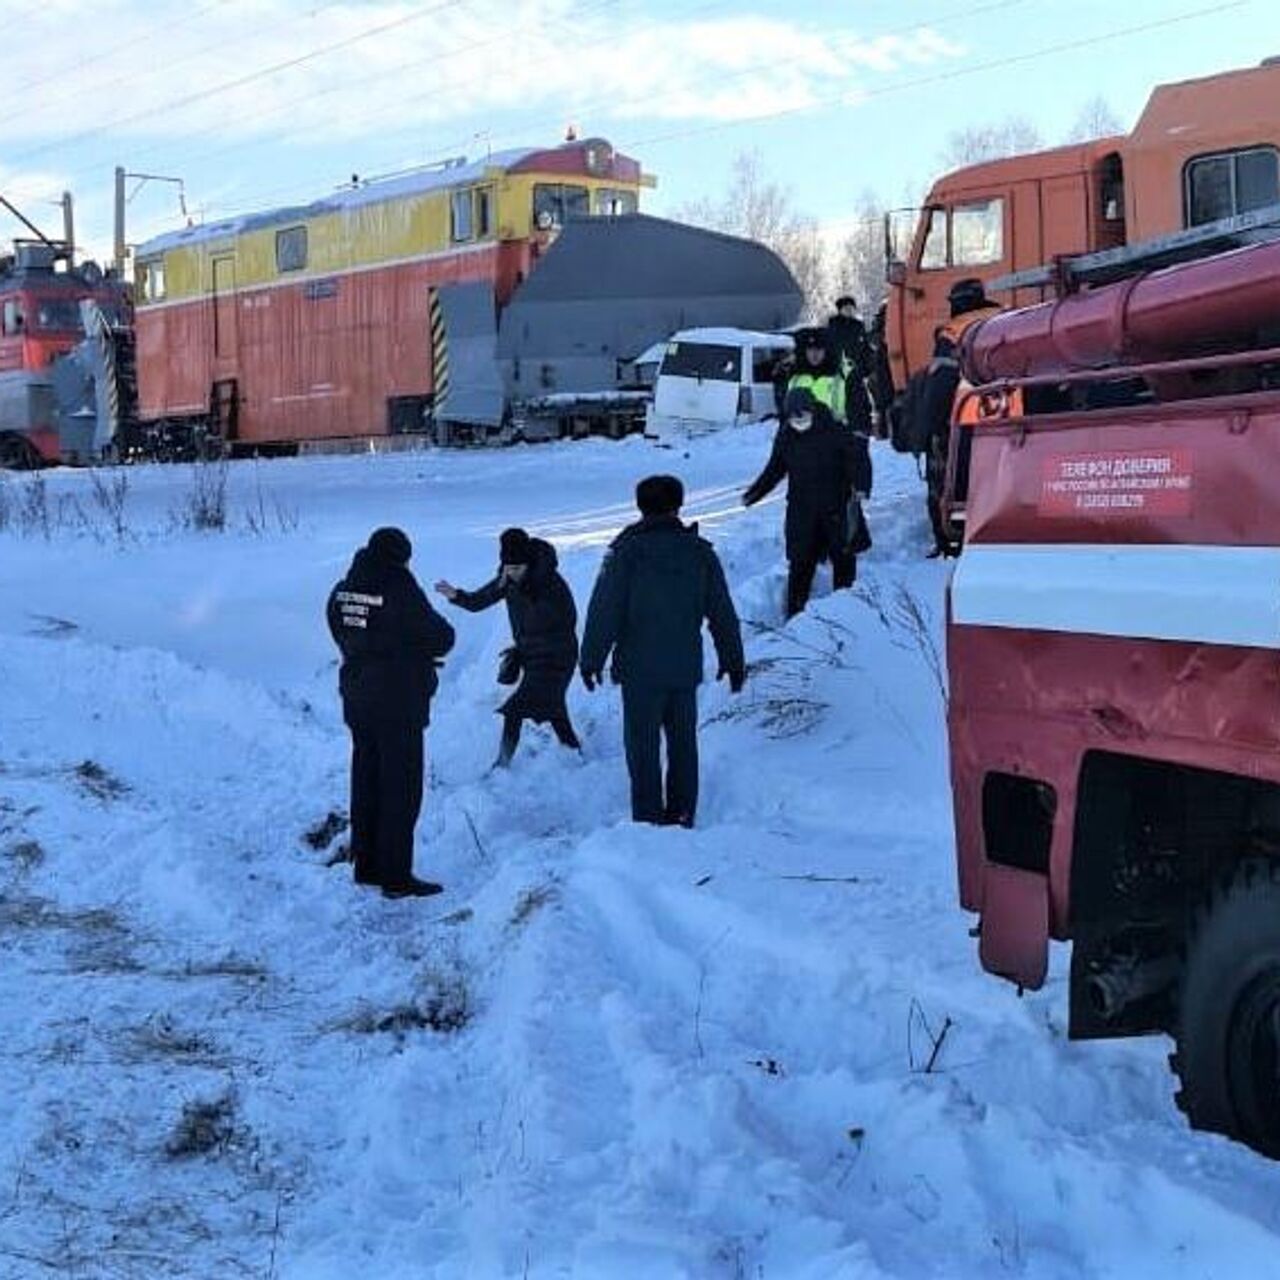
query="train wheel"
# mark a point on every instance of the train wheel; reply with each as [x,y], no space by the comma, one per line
[17,453]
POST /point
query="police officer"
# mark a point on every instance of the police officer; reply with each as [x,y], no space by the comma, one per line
[969,304]
[852,350]
[659,582]
[391,640]
[544,621]
[824,468]
[818,371]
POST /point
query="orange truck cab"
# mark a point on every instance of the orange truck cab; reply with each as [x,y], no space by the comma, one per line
[1202,151]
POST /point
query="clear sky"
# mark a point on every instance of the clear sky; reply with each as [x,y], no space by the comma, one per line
[261,102]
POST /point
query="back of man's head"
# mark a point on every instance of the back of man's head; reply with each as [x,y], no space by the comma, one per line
[659,496]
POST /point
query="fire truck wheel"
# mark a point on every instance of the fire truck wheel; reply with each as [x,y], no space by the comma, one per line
[1229,1014]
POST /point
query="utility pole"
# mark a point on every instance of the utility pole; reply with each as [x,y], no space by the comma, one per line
[121,250]
[69,227]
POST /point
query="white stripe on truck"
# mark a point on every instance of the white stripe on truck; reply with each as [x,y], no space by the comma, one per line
[1204,595]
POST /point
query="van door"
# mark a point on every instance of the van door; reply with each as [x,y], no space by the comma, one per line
[699,382]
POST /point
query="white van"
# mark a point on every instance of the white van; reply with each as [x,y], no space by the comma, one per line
[713,378]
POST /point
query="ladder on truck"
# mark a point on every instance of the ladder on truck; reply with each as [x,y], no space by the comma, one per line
[1071,272]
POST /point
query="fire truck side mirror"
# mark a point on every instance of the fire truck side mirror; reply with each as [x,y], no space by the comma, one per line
[896,274]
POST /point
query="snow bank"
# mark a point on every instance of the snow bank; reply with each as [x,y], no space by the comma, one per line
[607,1051]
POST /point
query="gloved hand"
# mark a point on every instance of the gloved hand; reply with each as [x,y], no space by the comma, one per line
[736,678]
[590,679]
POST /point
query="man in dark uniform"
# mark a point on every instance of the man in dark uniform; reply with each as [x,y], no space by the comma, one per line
[824,464]
[969,304]
[544,622]
[852,350]
[391,641]
[659,582]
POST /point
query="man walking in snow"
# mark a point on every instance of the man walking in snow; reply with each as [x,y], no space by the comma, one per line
[659,583]
[391,641]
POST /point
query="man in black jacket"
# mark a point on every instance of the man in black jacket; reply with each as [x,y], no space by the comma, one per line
[391,641]
[659,582]
[825,465]
[852,350]
[544,622]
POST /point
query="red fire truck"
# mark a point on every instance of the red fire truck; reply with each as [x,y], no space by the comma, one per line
[1113,637]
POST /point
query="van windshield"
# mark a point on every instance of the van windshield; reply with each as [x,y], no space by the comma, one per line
[702,361]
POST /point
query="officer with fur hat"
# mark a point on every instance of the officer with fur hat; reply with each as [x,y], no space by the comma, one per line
[824,465]
[544,623]
[391,641]
[817,370]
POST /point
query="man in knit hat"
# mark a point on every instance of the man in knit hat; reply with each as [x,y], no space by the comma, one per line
[391,640]
[544,637]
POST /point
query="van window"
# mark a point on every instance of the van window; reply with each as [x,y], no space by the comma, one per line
[764,363]
[1235,182]
[702,361]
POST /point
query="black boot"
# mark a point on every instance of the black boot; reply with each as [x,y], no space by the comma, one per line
[412,888]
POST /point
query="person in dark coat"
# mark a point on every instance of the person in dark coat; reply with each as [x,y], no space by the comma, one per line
[659,583]
[391,641]
[824,468]
[544,622]
[852,350]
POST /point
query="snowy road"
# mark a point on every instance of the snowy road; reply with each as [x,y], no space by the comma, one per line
[607,1052]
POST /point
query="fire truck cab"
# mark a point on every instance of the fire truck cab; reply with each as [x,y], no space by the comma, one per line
[1113,648]
[1202,151]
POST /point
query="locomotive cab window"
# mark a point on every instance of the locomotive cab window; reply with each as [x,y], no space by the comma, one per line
[611,203]
[14,320]
[1232,183]
[291,249]
[461,216]
[151,280]
[554,205]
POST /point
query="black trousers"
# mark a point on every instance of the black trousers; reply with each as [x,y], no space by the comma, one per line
[844,570]
[386,798]
[512,723]
[648,716]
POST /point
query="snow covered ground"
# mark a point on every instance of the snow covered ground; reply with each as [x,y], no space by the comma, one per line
[607,1051]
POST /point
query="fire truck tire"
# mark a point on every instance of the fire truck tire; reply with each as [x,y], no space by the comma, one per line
[1228,1055]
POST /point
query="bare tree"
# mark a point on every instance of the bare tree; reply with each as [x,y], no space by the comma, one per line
[1009,137]
[1097,119]
[760,209]
[860,265]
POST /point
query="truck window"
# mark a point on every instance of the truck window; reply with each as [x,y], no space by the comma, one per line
[1234,182]
[933,255]
[977,233]
[703,361]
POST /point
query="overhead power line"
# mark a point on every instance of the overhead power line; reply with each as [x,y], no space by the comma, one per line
[203,95]
[942,77]
[531,128]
